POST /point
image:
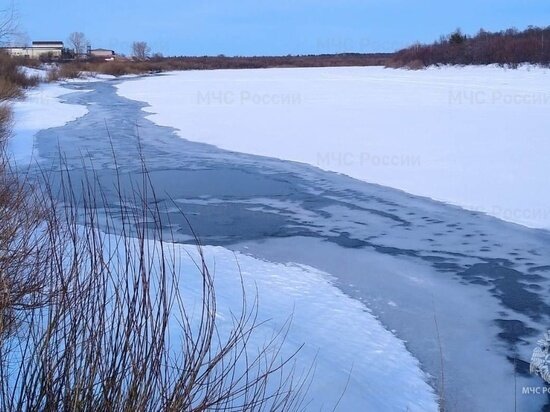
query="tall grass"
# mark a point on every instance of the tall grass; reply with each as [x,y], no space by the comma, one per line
[5,124]
[13,82]
[66,71]
[13,78]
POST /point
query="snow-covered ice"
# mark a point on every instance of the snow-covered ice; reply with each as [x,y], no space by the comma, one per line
[41,109]
[347,359]
[475,137]
[342,338]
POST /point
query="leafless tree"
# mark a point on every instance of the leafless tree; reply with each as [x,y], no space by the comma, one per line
[78,42]
[21,39]
[140,50]
[507,47]
[8,24]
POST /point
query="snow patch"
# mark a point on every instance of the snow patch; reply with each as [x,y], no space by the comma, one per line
[342,338]
[41,109]
[471,136]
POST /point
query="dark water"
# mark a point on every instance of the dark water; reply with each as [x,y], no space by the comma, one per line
[286,211]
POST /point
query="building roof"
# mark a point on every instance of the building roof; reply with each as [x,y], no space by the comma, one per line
[102,50]
[47,43]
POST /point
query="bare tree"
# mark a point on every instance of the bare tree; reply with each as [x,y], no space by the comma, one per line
[78,42]
[8,24]
[507,47]
[21,39]
[140,50]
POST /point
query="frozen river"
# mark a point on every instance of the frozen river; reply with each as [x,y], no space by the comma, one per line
[436,275]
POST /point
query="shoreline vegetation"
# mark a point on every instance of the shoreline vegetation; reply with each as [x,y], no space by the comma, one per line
[13,83]
[508,48]
[73,69]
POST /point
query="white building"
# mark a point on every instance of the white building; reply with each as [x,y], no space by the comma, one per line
[102,54]
[51,49]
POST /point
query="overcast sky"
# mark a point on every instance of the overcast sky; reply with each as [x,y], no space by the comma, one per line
[274,27]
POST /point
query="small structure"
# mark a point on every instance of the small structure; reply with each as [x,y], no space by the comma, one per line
[102,54]
[39,49]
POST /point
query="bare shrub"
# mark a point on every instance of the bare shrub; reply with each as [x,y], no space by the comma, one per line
[117,68]
[509,47]
[9,90]
[415,65]
[53,75]
[22,61]
[99,322]
[21,283]
[5,125]
[13,76]
[69,71]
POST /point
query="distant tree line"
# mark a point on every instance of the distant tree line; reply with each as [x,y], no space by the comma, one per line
[157,63]
[507,47]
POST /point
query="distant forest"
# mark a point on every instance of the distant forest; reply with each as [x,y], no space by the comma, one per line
[508,47]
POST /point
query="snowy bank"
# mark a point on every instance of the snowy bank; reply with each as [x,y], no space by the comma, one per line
[473,136]
[352,353]
[41,109]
